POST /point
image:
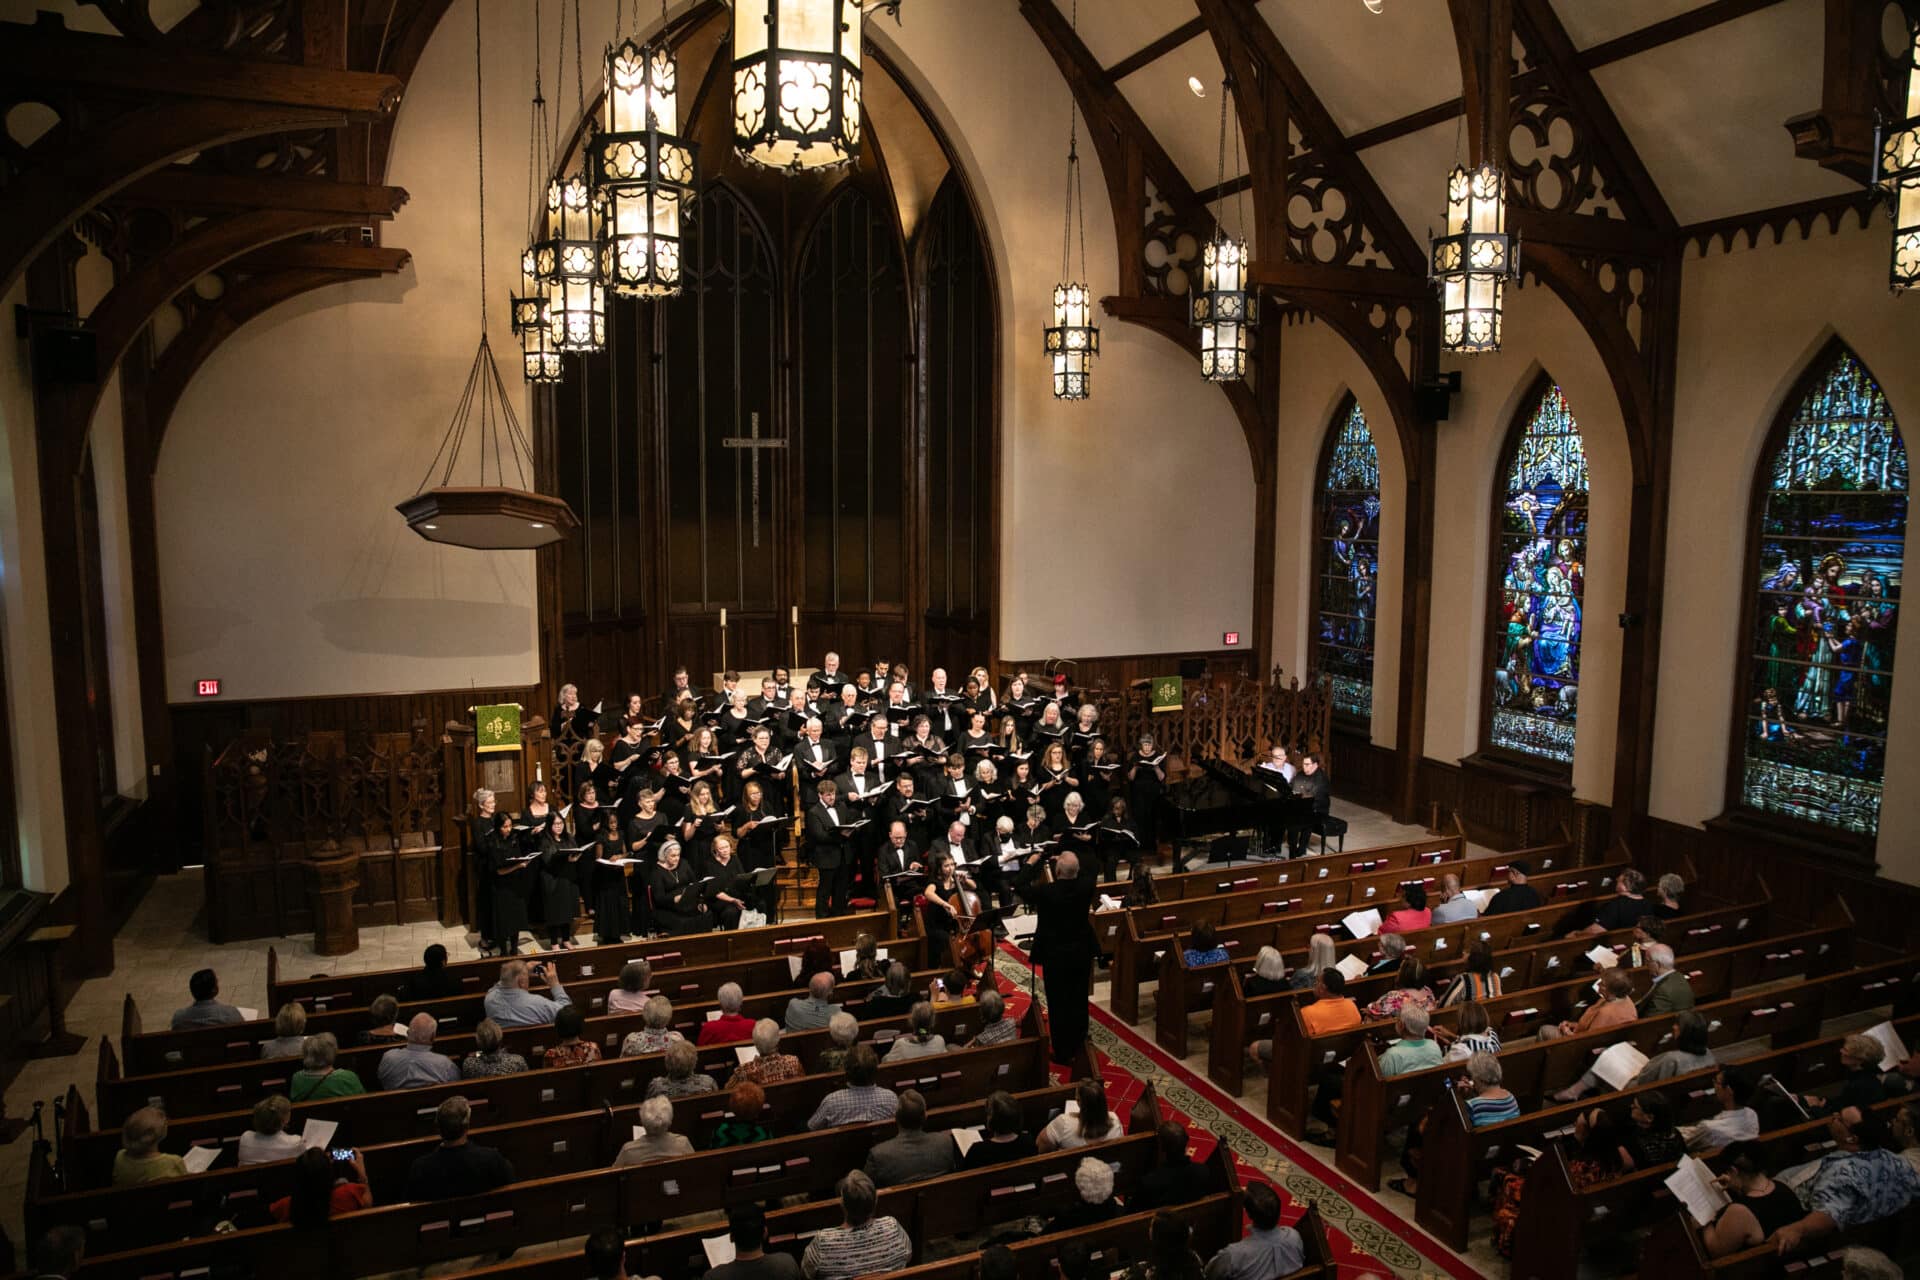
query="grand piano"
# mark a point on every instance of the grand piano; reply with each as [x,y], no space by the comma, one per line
[1225,806]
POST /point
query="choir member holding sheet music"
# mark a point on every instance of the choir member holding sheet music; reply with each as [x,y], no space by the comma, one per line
[559,885]
[677,903]
[829,825]
[1146,775]
[723,884]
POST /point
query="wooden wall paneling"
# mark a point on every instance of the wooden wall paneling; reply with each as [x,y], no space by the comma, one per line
[1119,671]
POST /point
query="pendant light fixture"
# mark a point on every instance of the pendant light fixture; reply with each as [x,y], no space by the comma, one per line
[1897,172]
[489,516]
[644,173]
[796,82]
[1474,260]
[1072,340]
[566,259]
[1224,308]
[539,354]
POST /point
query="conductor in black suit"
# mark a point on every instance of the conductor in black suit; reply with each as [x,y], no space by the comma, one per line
[1063,945]
[827,847]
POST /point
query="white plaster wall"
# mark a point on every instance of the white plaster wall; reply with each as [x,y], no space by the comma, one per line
[1751,321]
[116,585]
[23,625]
[1540,334]
[1318,368]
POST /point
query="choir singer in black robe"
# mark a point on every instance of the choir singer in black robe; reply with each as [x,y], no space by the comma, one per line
[1063,945]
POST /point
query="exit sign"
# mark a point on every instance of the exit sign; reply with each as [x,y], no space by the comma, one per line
[208,688]
[1230,638]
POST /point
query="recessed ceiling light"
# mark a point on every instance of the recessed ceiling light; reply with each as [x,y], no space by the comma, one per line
[1374,6]
[1199,90]
[535,524]
[429,526]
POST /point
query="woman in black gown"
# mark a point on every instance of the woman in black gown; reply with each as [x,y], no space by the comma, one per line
[603,888]
[1146,775]
[725,889]
[757,827]
[677,907]
[508,878]
[1096,773]
[559,890]
[642,837]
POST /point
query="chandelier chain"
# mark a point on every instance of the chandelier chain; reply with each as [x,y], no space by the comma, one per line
[1073,183]
[579,65]
[480,156]
[1239,196]
[536,135]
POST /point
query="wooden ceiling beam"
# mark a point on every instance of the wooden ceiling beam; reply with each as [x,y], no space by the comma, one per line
[326,255]
[1166,44]
[1286,276]
[191,189]
[1839,135]
[48,55]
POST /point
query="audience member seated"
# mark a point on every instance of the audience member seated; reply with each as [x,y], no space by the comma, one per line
[1734,1122]
[488,1058]
[656,1034]
[1332,1009]
[324,1188]
[383,1014]
[995,1026]
[997,1262]
[1614,1008]
[511,1004]
[731,1025]
[1863,1181]
[1518,895]
[458,1166]
[1321,954]
[921,1040]
[892,999]
[1004,1140]
[1176,1177]
[1472,1032]
[865,1244]
[1861,1086]
[657,1141]
[1491,1102]
[1093,1181]
[866,959]
[1414,915]
[269,1140]
[414,1063]
[1625,907]
[681,1080]
[746,1122]
[1760,1205]
[1652,1138]
[606,1255]
[1170,1254]
[1413,1050]
[1593,1156]
[140,1158]
[207,1010]
[1267,1250]
[1689,1053]
[1393,949]
[289,1032]
[1410,990]
[1478,981]
[860,1100]
[1269,975]
[842,1030]
[1670,992]
[572,1051]
[816,1008]
[912,1153]
[631,995]
[1088,1121]
[1455,906]
[433,982]
[768,1065]
[1666,896]
[1203,947]
[747,1225]
[317,1077]
[56,1255]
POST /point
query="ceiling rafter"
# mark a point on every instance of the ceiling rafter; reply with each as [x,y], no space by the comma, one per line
[193,189]
[1152,52]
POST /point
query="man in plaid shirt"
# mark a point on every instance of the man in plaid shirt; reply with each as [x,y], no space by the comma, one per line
[861,1100]
[866,1245]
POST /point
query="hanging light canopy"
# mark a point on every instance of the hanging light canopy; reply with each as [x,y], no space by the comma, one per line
[491,516]
[1072,340]
[1474,260]
[1224,308]
[1897,172]
[644,172]
[796,82]
[539,354]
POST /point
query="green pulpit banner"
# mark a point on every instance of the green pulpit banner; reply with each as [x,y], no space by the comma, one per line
[497,728]
[1167,693]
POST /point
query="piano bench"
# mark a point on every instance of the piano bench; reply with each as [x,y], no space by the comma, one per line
[1336,827]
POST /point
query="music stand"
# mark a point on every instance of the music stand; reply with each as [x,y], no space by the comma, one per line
[760,880]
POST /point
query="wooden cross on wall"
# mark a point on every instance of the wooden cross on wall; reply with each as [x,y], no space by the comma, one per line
[753,444]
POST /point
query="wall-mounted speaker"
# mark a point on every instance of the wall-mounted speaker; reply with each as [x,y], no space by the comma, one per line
[65,356]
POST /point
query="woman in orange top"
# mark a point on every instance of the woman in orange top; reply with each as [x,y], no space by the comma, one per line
[1614,1008]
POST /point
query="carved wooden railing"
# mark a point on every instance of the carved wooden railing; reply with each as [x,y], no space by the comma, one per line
[382,787]
[1234,720]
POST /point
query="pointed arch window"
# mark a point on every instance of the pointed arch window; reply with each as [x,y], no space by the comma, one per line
[1822,611]
[1349,560]
[1539,571]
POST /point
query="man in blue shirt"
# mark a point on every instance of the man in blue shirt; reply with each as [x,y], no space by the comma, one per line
[511,1004]
[206,1009]
[1268,1250]
[415,1064]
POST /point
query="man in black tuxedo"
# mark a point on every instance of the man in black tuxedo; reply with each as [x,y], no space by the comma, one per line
[827,848]
[1063,945]
[900,853]
[814,757]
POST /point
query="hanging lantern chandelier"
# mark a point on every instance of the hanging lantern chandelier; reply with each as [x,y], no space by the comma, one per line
[492,514]
[566,259]
[1897,172]
[796,82]
[539,354]
[1224,309]
[1474,260]
[644,173]
[1072,340]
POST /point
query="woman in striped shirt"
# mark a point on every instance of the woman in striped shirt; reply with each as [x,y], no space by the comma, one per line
[1490,1103]
[1471,1033]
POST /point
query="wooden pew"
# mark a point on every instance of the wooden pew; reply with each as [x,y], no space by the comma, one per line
[224,1087]
[146,1052]
[1262,917]
[498,1100]
[1454,1155]
[1429,851]
[1240,1019]
[1378,1105]
[672,952]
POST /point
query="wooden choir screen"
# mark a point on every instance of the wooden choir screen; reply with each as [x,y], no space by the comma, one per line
[1220,720]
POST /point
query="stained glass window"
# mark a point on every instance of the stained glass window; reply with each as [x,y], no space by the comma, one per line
[1833,526]
[1540,555]
[1349,562]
